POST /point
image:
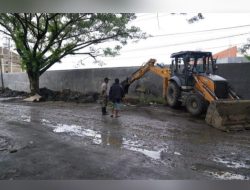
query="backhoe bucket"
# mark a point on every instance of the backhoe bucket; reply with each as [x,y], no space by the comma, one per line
[229,115]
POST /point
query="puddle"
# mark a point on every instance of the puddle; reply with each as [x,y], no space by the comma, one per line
[136,146]
[25,118]
[156,155]
[106,139]
[45,121]
[231,164]
[10,98]
[74,130]
[227,176]
[78,131]
[177,153]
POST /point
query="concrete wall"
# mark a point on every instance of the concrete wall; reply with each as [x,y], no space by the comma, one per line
[16,81]
[232,60]
[84,80]
[238,75]
[89,80]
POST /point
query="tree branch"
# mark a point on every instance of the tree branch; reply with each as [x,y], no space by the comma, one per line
[42,34]
[86,44]
[24,27]
[3,23]
[52,62]
[58,32]
[88,53]
[4,32]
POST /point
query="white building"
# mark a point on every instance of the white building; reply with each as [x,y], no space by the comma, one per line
[11,61]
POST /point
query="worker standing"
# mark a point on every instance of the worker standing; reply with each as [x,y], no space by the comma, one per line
[104,96]
[116,93]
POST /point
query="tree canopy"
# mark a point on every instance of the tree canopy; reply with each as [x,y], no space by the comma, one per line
[42,39]
[244,49]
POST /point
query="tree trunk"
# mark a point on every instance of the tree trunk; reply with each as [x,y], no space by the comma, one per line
[1,73]
[34,82]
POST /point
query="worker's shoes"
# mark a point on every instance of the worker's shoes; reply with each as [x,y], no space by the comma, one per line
[114,116]
[104,112]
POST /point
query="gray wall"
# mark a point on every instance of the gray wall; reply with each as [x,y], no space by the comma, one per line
[232,60]
[89,80]
[238,75]
[84,80]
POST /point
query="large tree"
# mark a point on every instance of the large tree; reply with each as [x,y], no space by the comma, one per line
[43,39]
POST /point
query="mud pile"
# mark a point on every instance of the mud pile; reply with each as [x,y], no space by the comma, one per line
[68,96]
[6,92]
[50,95]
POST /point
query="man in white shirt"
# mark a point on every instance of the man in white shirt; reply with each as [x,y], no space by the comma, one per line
[104,96]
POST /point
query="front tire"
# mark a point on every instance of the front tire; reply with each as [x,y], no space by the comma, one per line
[173,95]
[195,104]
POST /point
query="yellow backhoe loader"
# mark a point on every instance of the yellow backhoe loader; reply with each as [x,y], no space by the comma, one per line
[191,81]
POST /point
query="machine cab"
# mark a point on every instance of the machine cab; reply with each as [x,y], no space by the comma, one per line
[187,63]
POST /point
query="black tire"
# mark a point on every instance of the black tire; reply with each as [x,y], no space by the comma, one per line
[195,104]
[173,95]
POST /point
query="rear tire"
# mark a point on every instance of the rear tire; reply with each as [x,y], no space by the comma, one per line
[195,104]
[173,94]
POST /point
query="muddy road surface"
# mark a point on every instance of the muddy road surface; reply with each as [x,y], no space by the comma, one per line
[58,140]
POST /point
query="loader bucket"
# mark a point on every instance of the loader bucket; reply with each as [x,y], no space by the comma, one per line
[229,115]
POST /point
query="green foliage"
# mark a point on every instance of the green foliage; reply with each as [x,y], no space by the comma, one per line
[43,39]
[245,49]
[248,57]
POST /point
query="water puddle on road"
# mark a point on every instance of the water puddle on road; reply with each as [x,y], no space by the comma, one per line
[78,131]
[155,155]
[26,118]
[231,164]
[227,176]
[137,147]
[106,138]
[10,98]
[74,130]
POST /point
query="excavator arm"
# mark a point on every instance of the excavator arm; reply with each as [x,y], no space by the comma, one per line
[137,75]
[141,71]
[149,66]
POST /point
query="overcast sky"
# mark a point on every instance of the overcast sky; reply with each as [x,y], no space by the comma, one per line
[167,25]
[225,30]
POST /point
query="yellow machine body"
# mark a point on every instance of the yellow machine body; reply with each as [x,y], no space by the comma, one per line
[225,113]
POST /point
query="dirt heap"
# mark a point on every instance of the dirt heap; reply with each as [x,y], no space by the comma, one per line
[68,96]
[50,95]
[6,92]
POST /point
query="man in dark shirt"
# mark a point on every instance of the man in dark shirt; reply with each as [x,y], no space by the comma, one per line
[116,94]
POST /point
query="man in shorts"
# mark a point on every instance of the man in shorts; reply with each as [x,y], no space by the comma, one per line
[116,93]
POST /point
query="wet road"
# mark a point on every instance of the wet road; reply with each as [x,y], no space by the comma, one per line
[58,140]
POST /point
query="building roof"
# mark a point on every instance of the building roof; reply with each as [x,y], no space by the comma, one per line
[230,52]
